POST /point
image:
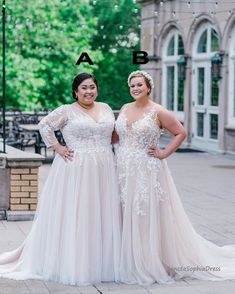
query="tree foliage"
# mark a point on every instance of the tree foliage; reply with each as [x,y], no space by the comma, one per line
[43,41]
[118,30]
[45,38]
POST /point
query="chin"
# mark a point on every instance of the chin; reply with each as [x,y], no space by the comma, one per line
[138,97]
[88,101]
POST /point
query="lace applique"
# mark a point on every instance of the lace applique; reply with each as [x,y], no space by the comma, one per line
[80,132]
[137,171]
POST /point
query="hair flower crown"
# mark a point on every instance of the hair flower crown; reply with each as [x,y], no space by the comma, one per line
[143,74]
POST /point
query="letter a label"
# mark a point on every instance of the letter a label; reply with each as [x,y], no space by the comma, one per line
[84,57]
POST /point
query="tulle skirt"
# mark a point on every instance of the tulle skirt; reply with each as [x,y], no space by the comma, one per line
[75,237]
[159,244]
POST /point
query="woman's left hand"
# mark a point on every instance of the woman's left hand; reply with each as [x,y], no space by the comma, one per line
[155,152]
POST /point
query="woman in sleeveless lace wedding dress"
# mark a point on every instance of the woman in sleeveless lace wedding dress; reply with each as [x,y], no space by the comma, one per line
[75,237]
[159,243]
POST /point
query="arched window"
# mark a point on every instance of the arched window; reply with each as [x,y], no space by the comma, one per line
[231,102]
[208,41]
[202,44]
[205,90]
[173,88]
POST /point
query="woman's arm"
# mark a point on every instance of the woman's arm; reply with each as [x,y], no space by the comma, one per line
[55,120]
[63,151]
[169,122]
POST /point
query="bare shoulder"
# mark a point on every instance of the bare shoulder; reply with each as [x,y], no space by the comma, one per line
[158,107]
[124,106]
[162,111]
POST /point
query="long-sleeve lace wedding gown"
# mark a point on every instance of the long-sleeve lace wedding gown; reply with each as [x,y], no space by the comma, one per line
[75,237]
[159,243]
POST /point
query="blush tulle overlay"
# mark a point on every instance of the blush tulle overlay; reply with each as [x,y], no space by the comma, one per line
[75,237]
[159,244]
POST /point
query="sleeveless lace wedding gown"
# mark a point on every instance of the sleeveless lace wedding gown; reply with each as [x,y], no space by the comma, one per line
[159,243]
[75,237]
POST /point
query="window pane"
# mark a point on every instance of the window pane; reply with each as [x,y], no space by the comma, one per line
[214,41]
[202,43]
[170,87]
[200,124]
[171,47]
[180,46]
[180,102]
[214,93]
[201,86]
[213,126]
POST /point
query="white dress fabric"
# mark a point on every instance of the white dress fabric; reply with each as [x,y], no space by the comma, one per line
[159,243]
[75,237]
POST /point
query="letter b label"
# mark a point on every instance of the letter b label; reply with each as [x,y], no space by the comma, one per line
[140,57]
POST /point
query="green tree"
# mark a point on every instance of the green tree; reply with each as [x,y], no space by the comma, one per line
[117,36]
[44,41]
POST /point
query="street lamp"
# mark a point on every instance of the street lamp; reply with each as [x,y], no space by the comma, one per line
[216,63]
[3,76]
[182,63]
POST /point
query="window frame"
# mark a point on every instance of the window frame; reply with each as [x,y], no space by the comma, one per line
[168,61]
[231,96]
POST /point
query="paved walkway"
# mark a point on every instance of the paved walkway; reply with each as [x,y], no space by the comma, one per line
[206,184]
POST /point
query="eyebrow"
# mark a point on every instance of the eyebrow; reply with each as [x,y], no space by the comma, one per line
[137,83]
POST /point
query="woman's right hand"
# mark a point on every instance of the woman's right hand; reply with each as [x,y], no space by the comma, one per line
[64,152]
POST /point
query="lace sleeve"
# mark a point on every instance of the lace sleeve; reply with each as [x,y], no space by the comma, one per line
[109,109]
[54,121]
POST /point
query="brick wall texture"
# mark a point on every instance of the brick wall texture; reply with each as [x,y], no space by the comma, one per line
[24,189]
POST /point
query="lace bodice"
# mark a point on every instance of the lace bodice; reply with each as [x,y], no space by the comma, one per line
[142,134]
[136,168]
[80,131]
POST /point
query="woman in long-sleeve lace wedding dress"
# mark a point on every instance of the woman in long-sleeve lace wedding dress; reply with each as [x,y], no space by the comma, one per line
[75,237]
[159,244]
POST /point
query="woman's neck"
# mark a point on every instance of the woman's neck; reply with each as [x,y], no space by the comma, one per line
[142,102]
[86,106]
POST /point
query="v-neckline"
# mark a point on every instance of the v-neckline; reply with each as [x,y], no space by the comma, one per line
[89,116]
[143,116]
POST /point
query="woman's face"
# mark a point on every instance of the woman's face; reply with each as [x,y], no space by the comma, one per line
[138,88]
[87,92]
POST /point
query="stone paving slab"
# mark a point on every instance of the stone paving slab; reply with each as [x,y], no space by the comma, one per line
[206,186]
[181,287]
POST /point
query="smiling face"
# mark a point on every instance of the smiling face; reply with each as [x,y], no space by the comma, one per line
[87,92]
[138,88]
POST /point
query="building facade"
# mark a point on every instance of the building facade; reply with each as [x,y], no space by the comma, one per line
[191,49]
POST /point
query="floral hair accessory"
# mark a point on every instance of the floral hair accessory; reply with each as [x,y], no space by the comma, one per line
[143,74]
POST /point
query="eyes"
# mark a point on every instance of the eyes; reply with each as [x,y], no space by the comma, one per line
[138,85]
[88,87]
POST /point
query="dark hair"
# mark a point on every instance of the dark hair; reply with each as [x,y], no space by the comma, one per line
[79,79]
